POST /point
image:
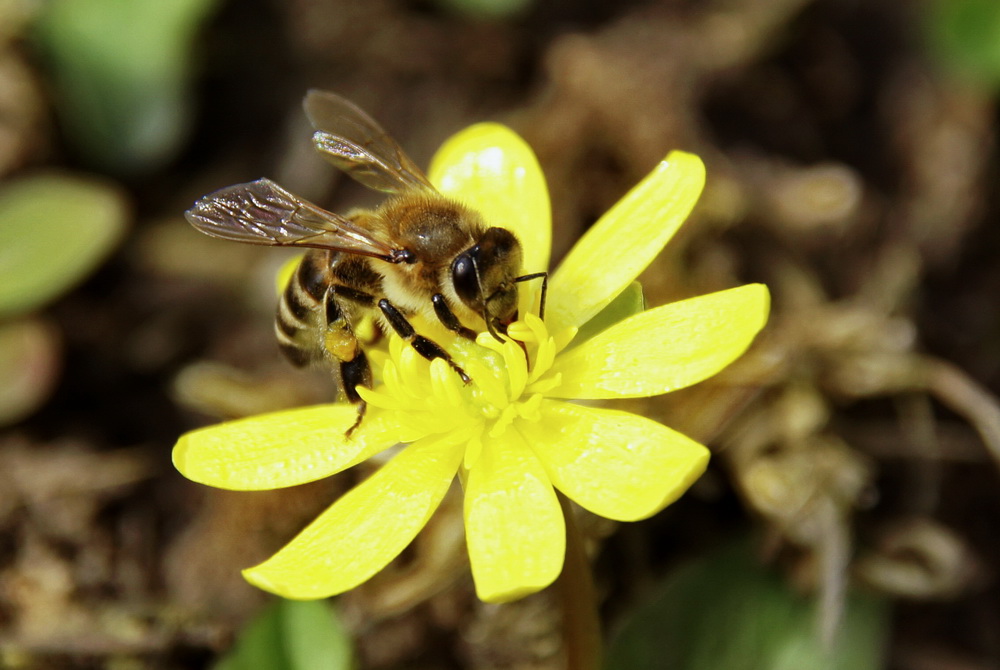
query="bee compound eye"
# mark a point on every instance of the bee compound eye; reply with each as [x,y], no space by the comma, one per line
[463,275]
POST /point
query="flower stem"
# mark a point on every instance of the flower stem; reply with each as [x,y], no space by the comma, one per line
[581,622]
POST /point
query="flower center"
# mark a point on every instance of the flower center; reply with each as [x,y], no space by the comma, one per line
[509,380]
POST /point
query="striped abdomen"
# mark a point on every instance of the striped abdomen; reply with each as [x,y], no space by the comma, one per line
[328,292]
[305,308]
[315,315]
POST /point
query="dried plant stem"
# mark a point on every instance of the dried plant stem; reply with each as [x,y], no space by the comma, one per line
[581,622]
[961,393]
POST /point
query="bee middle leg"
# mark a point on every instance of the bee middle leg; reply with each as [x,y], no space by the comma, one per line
[424,346]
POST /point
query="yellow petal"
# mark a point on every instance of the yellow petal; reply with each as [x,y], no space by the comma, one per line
[665,348]
[363,531]
[490,168]
[616,464]
[287,448]
[624,241]
[513,523]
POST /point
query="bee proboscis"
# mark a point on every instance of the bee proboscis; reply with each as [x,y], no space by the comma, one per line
[419,252]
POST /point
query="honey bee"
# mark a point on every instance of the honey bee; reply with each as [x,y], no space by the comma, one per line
[418,253]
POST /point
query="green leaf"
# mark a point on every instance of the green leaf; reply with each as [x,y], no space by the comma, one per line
[54,230]
[727,612]
[121,70]
[259,645]
[965,34]
[314,637]
[292,635]
[629,302]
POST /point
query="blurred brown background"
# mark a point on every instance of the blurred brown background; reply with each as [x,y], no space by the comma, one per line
[852,166]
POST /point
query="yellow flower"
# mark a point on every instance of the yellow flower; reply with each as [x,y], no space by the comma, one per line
[514,435]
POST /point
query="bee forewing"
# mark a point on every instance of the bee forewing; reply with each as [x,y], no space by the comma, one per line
[358,145]
[261,212]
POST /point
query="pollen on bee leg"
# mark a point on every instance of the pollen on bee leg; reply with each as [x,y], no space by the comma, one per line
[341,343]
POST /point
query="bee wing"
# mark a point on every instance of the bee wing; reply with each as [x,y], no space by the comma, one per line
[261,212]
[358,145]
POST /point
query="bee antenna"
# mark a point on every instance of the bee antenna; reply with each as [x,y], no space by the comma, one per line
[545,287]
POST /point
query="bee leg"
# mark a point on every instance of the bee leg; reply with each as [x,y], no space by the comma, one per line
[425,347]
[342,345]
[448,318]
[544,276]
[354,373]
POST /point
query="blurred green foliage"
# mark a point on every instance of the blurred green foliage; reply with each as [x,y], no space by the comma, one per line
[487,10]
[121,70]
[54,230]
[727,612]
[29,362]
[292,635]
[965,35]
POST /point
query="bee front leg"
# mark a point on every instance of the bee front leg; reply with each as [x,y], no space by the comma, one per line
[425,347]
[448,318]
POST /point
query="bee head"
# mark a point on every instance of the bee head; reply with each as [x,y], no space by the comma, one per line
[484,277]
